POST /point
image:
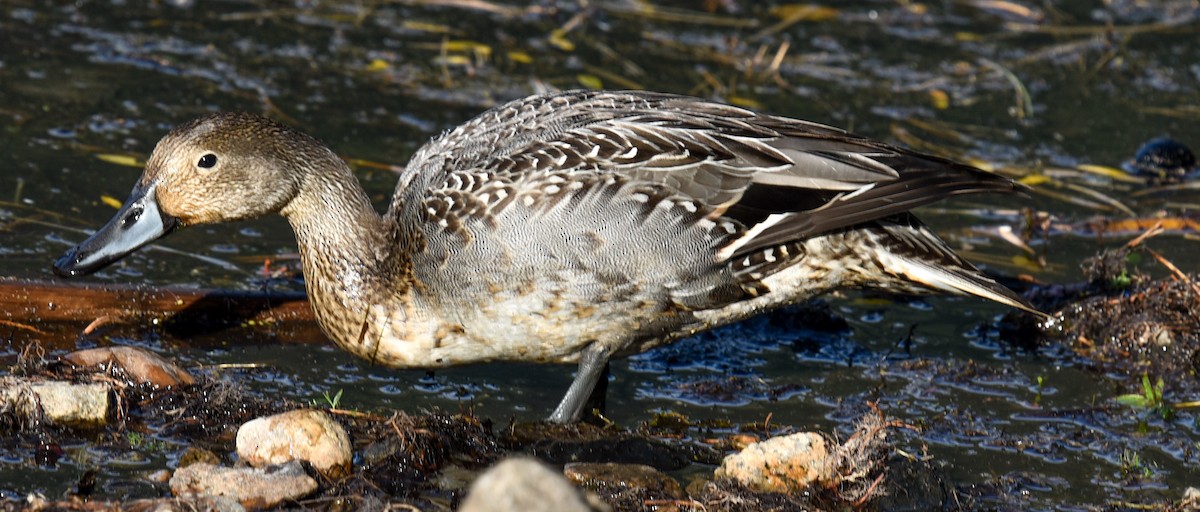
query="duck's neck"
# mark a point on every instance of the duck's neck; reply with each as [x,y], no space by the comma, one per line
[351,255]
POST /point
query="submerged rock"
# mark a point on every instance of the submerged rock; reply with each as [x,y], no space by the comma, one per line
[780,464]
[524,484]
[308,435]
[253,488]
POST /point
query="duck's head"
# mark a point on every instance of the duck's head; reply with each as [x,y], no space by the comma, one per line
[218,168]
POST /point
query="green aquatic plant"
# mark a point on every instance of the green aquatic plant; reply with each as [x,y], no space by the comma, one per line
[1124,279]
[1120,281]
[1150,399]
[138,440]
[335,400]
[1134,466]
[331,401]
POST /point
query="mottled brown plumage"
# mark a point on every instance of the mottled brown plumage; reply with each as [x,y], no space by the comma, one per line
[567,227]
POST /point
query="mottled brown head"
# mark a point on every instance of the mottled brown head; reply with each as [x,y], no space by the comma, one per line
[229,166]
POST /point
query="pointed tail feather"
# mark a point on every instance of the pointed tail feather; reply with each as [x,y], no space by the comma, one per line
[908,250]
[955,280]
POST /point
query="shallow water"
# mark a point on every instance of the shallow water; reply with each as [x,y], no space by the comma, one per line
[110,77]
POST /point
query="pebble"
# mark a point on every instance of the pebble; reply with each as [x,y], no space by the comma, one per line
[781,464]
[253,488]
[305,434]
[523,484]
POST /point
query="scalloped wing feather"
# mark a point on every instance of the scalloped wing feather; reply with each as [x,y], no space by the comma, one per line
[782,179]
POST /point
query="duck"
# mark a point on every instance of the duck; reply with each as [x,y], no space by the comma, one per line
[566,228]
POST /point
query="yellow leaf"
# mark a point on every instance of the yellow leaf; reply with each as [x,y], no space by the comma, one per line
[940,99]
[456,60]
[558,38]
[520,57]
[804,12]
[426,27]
[1034,179]
[917,8]
[589,81]
[1109,172]
[126,160]
[1027,263]
[743,101]
[979,164]
[111,201]
[468,46]
[377,65]
[458,45]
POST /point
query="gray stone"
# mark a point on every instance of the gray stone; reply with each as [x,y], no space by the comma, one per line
[253,488]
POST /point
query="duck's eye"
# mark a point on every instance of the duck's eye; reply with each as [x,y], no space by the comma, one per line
[207,161]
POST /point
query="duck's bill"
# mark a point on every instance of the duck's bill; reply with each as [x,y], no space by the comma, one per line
[138,223]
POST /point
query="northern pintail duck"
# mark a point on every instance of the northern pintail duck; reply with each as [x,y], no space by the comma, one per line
[566,227]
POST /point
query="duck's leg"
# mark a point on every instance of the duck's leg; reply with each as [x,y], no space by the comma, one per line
[592,362]
[597,400]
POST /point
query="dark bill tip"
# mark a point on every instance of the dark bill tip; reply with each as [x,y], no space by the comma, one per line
[71,264]
[136,224]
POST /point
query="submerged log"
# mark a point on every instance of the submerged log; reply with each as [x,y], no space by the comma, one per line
[58,313]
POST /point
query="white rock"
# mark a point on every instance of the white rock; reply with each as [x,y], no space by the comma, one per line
[63,403]
[780,464]
[307,435]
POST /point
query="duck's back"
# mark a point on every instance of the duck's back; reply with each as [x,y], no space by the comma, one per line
[591,216]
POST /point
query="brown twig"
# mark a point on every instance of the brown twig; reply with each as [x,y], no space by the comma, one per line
[1150,232]
[1174,270]
[869,493]
[22,326]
